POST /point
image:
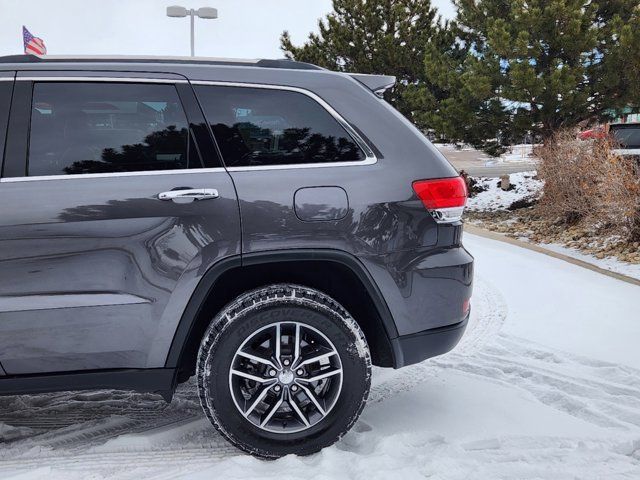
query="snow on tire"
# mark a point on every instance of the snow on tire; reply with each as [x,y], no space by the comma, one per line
[283,369]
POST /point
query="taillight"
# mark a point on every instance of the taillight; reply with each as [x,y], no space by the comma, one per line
[445,198]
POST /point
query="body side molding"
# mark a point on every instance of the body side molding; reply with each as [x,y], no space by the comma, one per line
[156,380]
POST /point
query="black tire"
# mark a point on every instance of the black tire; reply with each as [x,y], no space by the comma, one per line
[259,309]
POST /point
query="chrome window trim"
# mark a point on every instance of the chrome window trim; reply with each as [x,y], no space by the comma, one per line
[102,79]
[179,171]
[370,156]
[301,166]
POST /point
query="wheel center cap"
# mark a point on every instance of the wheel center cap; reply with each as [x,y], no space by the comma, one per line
[286,377]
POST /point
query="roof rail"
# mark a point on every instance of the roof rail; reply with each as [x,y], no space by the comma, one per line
[265,63]
[17,59]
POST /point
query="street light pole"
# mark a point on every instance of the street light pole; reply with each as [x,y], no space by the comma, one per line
[192,14]
[203,12]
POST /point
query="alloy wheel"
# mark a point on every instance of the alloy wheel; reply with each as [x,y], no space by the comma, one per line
[286,377]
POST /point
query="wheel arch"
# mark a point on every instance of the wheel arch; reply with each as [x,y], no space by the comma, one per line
[231,276]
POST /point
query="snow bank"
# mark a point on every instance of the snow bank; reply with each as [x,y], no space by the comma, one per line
[494,198]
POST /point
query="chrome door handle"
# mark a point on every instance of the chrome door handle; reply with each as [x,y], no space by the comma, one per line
[189,194]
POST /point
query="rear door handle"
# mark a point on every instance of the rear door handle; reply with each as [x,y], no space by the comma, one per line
[189,194]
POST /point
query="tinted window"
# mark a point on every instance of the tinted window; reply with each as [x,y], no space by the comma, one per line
[6,88]
[255,126]
[628,136]
[100,128]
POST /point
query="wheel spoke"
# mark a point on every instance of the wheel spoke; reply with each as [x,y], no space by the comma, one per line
[317,358]
[278,341]
[257,401]
[294,405]
[313,398]
[255,358]
[321,376]
[273,410]
[296,351]
[252,377]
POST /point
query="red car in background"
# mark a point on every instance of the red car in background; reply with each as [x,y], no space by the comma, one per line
[593,133]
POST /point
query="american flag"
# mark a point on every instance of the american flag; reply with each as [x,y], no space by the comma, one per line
[32,45]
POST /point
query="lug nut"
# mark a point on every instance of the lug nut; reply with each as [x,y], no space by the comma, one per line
[300,372]
[272,372]
[294,388]
[286,362]
[277,388]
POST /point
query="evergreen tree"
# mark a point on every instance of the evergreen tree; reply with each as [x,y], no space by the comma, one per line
[552,63]
[372,36]
[460,100]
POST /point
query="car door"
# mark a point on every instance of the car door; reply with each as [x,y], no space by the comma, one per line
[114,202]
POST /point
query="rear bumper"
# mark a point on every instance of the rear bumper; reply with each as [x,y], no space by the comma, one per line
[424,289]
[414,348]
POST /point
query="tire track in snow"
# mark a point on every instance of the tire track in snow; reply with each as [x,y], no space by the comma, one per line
[604,394]
[72,419]
[489,312]
[171,457]
[182,446]
[601,393]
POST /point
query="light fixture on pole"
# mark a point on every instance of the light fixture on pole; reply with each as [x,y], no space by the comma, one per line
[181,12]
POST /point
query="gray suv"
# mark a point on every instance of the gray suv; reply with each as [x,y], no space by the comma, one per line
[271,227]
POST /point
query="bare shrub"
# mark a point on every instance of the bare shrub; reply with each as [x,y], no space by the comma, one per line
[588,181]
[570,169]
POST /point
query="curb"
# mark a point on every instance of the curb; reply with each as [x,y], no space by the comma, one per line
[481,232]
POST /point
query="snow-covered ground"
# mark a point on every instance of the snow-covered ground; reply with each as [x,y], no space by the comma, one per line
[545,385]
[494,198]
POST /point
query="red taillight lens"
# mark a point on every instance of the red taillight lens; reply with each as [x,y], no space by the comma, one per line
[442,193]
[445,198]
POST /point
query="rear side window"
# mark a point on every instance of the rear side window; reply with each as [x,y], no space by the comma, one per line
[6,87]
[108,127]
[257,126]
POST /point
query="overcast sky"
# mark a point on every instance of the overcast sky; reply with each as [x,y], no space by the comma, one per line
[244,29]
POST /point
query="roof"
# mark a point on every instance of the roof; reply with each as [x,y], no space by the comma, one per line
[265,63]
